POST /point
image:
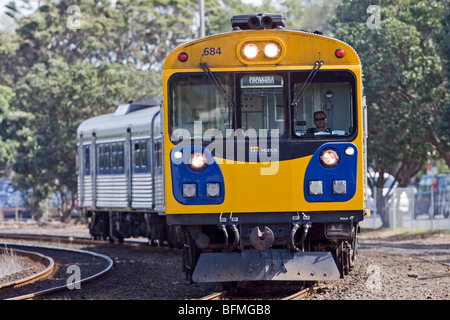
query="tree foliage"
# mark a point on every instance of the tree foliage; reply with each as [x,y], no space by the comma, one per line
[69,60]
[72,60]
[403,81]
[440,131]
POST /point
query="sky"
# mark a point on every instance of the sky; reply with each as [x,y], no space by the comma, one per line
[5,20]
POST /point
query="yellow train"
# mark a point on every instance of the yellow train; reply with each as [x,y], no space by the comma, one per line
[264,152]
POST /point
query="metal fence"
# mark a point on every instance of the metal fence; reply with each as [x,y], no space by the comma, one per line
[409,208]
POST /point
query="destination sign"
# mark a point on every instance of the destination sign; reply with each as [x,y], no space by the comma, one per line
[260,80]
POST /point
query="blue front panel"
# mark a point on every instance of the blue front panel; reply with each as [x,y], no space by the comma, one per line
[182,174]
[345,170]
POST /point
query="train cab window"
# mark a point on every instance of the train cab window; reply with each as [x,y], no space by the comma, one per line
[263,104]
[332,92]
[197,105]
[141,156]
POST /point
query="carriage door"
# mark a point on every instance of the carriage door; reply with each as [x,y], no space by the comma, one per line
[157,164]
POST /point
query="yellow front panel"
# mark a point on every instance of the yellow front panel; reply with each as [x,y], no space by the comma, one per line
[249,187]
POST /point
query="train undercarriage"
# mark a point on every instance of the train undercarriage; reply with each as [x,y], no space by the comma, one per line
[305,251]
[118,225]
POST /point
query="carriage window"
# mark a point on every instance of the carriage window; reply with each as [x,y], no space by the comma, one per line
[141,156]
[158,153]
[117,157]
[110,158]
[329,92]
[87,160]
[103,159]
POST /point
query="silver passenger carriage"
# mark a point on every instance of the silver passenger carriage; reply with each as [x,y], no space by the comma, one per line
[120,174]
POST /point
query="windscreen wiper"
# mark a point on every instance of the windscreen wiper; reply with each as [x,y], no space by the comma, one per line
[224,94]
[312,74]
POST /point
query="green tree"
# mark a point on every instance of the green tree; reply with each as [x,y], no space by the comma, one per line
[54,100]
[439,131]
[7,143]
[403,82]
[69,61]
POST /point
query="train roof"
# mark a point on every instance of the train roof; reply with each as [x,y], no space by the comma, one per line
[136,115]
[303,50]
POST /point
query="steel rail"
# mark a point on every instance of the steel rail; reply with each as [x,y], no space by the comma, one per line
[215,296]
[45,260]
[64,287]
[302,294]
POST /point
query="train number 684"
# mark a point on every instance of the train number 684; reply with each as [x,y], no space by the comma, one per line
[212,51]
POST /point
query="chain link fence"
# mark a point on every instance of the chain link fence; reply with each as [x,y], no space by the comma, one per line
[409,208]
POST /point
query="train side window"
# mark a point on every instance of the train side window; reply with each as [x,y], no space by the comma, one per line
[104,158]
[121,157]
[87,160]
[158,156]
[110,158]
[117,157]
[101,158]
[141,156]
[114,156]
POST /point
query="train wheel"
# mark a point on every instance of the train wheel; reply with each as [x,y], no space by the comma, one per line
[189,255]
[343,256]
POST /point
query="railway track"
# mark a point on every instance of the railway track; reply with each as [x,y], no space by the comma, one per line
[62,239]
[62,275]
[46,261]
[303,293]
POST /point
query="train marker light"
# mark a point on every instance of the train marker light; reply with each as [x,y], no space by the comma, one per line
[250,50]
[315,187]
[178,155]
[213,189]
[340,53]
[189,190]
[183,57]
[329,158]
[349,151]
[339,187]
[271,50]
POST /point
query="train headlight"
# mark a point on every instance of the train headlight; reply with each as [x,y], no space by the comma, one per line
[329,158]
[198,162]
[189,190]
[250,51]
[271,50]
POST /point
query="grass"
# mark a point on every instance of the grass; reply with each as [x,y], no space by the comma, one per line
[10,263]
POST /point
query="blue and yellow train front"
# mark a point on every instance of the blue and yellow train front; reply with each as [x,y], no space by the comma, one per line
[260,193]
